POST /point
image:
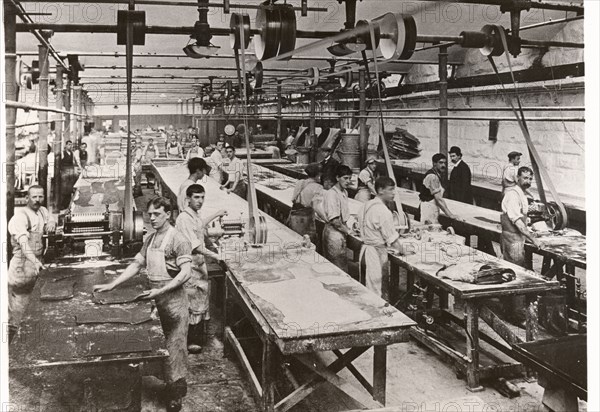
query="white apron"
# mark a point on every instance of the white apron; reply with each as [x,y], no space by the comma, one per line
[376,263]
[172,310]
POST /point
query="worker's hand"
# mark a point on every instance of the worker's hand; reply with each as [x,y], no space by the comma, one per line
[151,294]
[452,216]
[51,226]
[221,213]
[107,287]
[228,191]
[39,266]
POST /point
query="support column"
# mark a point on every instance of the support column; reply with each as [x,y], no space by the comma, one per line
[67,102]
[279,107]
[362,116]
[12,93]
[80,119]
[58,139]
[312,126]
[43,115]
[115,124]
[443,73]
[77,109]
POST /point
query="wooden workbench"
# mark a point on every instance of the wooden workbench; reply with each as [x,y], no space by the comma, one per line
[560,251]
[299,304]
[424,264]
[50,341]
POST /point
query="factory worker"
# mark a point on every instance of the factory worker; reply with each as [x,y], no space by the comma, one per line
[197,288]
[514,233]
[509,173]
[174,149]
[302,216]
[335,206]
[217,155]
[366,181]
[68,174]
[137,153]
[81,156]
[233,169]
[378,232]
[431,191]
[26,229]
[198,169]
[167,256]
[329,165]
[195,150]
[151,150]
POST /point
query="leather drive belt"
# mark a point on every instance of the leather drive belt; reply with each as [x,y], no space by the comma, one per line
[237,20]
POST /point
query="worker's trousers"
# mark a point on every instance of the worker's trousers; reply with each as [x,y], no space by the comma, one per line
[173,311]
[334,247]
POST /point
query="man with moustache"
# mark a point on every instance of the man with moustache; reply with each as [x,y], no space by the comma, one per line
[431,191]
[514,233]
[26,229]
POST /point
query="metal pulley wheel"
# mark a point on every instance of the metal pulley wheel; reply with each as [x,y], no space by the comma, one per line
[346,80]
[555,217]
[258,230]
[288,29]
[138,19]
[313,76]
[138,227]
[237,20]
[493,46]
[398,36]
[276,24]
[365,38]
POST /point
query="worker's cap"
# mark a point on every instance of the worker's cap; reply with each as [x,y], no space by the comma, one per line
[312,169]
[514,154]
[371,159]
[456,150]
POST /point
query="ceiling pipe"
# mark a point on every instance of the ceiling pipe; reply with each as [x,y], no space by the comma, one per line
[173,3]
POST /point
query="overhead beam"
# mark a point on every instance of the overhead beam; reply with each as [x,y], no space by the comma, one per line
[173,3]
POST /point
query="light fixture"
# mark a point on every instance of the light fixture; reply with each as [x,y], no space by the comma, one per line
[202,47]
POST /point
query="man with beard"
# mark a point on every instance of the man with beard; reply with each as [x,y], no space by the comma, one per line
[431,191]
[26,229]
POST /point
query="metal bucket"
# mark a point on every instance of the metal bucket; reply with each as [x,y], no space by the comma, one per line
[350,159]
[303,156]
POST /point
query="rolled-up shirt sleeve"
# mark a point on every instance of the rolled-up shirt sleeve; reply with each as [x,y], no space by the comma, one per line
[387,228]
[511,205]
[432,182]
[141,255]
[17,226]
[182,249]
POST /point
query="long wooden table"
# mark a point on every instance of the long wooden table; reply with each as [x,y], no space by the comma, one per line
[428,259]
[51,343]
[299,304]
[561,251]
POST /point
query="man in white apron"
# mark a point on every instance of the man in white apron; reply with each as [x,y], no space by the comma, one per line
[366,181]
[194,150]
[514,233]
[26,229]
[335,205]
[377,230]
[174,149]
[190,223]
[167,256]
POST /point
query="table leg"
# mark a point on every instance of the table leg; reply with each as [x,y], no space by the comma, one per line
[531,318]
[528,259]
[472,328]
[379,373]
[394,283]
[268,381]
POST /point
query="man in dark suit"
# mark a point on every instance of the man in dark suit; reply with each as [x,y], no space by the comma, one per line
[459,186]
[329,165]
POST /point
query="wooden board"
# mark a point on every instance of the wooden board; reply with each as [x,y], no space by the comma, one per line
[50,335]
